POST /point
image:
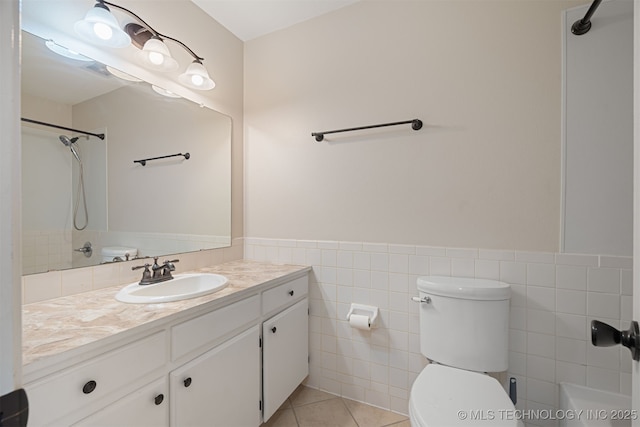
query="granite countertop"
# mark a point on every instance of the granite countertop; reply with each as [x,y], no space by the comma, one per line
[52,327]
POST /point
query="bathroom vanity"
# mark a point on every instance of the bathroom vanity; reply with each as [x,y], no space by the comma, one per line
[229,358]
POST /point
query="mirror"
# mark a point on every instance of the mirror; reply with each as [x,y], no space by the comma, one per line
[169,205]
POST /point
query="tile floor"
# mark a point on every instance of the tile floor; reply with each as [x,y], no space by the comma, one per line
[308,407]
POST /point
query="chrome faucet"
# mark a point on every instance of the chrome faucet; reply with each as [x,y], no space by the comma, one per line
[161,273]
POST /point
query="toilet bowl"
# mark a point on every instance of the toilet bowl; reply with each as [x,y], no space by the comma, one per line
[444,396]
[464,333]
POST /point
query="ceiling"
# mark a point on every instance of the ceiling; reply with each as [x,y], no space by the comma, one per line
[248,19]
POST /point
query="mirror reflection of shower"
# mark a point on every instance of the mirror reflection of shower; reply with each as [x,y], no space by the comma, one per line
[80,192]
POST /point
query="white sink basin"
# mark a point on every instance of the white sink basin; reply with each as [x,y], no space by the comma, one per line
[182,286]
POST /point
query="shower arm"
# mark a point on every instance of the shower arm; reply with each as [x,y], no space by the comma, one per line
[97,135]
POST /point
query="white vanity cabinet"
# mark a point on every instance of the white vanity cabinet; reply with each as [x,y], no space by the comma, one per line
[221,387]
[230,365]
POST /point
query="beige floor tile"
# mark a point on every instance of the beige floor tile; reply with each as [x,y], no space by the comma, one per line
[405,423]
[370,416]
[328,413]
[282,418]
[305,395]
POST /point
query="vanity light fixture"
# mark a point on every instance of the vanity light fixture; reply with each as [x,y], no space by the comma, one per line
[154,53]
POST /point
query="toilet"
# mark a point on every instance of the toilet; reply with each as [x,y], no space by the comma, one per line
[464,333]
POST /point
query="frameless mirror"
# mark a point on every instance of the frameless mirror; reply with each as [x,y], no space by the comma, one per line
[91,190]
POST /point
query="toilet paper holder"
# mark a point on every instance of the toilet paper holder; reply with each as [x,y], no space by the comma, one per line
[364,310]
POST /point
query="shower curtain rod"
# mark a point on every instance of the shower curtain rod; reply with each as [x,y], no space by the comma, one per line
[582,26]
[97,135]
[416,124]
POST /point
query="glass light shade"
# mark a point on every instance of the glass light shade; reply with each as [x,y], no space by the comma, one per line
[100,27]
[196,77]
[156,55]
[68,53]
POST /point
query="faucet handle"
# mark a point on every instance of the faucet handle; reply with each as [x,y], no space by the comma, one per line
[146,274]
[169,267]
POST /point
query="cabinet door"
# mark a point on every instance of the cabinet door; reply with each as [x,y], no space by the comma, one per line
[148,406]
[285,355]
[221,387]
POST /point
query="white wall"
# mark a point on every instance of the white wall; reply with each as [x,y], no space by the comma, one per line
[483,172]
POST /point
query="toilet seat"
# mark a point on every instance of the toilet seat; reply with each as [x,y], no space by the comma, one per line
[443,396]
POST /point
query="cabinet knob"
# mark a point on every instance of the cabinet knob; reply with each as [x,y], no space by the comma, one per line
[291,292]
[158,399]
[187,382]
[273,329]
[89,387]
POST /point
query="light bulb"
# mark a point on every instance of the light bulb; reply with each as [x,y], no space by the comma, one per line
[197,80]
[156,55]
[156,58]
[103,31]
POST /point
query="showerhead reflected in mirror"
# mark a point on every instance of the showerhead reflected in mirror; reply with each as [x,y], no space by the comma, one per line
[69,143]
[169,206]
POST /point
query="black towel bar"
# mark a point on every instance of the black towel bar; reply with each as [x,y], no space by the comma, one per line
[416,124]
[143,162]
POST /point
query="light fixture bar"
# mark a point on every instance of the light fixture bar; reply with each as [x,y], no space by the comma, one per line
[152,30]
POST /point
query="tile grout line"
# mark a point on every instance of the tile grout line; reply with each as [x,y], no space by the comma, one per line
[349,411]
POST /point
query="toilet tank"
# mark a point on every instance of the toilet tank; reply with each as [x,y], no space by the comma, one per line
[465,324]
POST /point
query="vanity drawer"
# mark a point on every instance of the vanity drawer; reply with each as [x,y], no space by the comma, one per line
[204,330]
[76,389]
[282,295]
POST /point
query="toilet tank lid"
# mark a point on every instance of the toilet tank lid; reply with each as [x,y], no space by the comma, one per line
[465,288]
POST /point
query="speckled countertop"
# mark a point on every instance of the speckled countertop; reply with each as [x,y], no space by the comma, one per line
[61,324]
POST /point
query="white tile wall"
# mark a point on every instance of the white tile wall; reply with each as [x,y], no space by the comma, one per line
[46,250]
[554,299]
